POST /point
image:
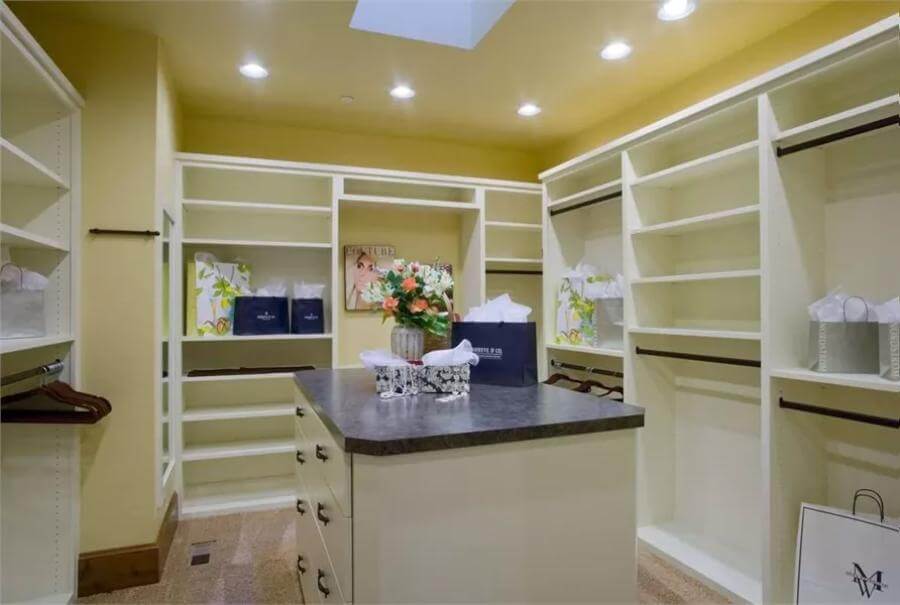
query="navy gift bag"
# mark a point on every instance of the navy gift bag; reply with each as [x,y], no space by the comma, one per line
[307,316]
[260,315]
[507,352]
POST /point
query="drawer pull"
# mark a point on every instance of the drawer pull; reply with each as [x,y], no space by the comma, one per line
[300,567]
[320,513]
[301,506]
[322,588]
[300,413]
[320,453]
[300,457]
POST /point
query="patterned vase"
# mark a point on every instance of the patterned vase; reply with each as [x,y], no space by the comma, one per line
[408,343]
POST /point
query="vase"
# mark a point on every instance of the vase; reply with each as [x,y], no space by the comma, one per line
[407,342]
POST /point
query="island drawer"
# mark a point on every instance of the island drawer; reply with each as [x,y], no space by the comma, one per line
[317,578]
[329,460]
[335,530]
[303,411]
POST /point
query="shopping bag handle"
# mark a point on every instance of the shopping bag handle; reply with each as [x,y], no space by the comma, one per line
[874,496]
[844,307]
[15,266]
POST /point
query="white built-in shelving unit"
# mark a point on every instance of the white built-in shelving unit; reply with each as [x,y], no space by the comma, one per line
[733,225]
[284,219]
[40,178]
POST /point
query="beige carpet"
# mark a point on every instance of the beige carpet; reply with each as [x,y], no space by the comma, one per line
[253,556]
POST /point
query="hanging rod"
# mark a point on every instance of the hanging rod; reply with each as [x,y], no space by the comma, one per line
[572,366]
[53,368]
[512,272]
[596,200]
[96,231]
[750,363]
[845,415]
[837,136]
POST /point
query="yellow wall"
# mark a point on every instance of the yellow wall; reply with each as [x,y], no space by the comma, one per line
[363,330]
[118,74]
[283,142]
[821,27]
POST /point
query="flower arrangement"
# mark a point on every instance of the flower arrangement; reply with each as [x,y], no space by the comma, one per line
[414,295]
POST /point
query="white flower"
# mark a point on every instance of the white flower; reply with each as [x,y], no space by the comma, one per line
[437,281]
[399,265]
[373,293]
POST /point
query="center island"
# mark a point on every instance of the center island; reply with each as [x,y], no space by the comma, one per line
[506,495]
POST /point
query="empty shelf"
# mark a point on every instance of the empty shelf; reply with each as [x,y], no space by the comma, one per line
[232,496]
[513,260]
[870,112]
[871,382]
[11,345]
[368,200]
[237,449]
[512,226]
[587,194]
[716,163]
[19,168]
[19,238]
[233,412]
[601,351]
[201,241]
[690,277]
[217,206]
[698,333]
[713,220]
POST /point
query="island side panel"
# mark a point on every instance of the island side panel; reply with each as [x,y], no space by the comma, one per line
[543,521]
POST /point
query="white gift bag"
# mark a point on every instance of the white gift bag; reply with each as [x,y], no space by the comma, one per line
[844,557]
[217,285]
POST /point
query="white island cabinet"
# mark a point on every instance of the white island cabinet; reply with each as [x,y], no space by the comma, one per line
[512,495]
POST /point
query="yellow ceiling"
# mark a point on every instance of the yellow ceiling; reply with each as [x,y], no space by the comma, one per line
[541,50]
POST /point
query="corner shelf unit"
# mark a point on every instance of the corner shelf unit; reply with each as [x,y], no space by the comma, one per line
[40,178]
[289,222]
[737,213]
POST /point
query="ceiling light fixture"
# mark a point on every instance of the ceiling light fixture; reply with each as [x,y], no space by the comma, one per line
[673,10]
[615,51]
[254,71]
[402,91]
[528,110]
[347,99]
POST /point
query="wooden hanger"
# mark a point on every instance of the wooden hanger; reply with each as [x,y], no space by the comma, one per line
[557,377]
[587,385]
[56,402]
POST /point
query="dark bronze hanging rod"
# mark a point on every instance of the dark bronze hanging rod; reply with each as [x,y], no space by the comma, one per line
[571,366]
[843,414]
[96,231]
[732,361]
[596,200]
[837,136]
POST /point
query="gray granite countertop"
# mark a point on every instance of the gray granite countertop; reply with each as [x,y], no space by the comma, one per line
[363,423]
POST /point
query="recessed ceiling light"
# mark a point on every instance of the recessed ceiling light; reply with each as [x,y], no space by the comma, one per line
[673,10]
[254,71]
[402,91]
[528,110]
[615,50]
[347,99]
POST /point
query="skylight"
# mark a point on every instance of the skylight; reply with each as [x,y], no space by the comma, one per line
[459,23]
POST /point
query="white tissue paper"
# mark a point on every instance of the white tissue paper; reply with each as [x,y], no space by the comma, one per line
[381,357]
[889,312]
[836,306]
[609,288]
[23,279]
[274,289]
[500,309]
[452,357]
[305,290]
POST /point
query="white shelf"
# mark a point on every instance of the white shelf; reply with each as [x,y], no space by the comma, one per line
[13,345]
[19,238]
[871,382]
[712,564]
[237,449]
[876,110]
[513,260]
[252,207]
[585,195]
[19,168]
[698,333]
[604,352]
[235,496]
[691,277]
[745,154]
[233,338]
[233,412]
[232,377]
[713,220]
[512,226]
[202,241]
[368,200]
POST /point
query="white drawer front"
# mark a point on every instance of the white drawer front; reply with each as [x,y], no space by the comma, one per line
[332,463]
[317,580]
[302,412]
[335,529]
